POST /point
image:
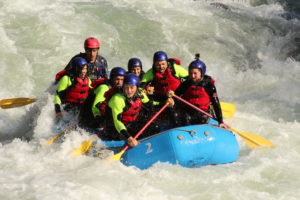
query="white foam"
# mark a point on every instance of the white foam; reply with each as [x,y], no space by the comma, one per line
[245,49]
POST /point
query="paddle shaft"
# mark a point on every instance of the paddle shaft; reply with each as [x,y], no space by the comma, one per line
[146,125]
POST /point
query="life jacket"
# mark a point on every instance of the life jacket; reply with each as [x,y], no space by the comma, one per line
[196,95]
[132,110]
[176,60]
[165,82]
[108,94]
[98,82]
[78,92]
[60,74]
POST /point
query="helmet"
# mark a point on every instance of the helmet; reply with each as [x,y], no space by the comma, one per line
[199,65]
[77,64]
[131,79]
[117,71]
[91,43]
[134,62]
[160,56]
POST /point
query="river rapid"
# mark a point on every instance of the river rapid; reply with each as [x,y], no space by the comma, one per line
[251,48]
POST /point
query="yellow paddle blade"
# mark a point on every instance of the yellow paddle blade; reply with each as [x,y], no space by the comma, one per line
[15,102]
[251,144]
[55,138]
[68,130]
[83,148]
[228,109]
[117,156]
[253,140]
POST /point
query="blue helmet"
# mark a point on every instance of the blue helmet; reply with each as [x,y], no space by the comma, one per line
[134,62]
[131,79]
[77,64]
[199,65]
[160,56]
[117,71]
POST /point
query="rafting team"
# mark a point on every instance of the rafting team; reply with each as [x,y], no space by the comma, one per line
[120,105]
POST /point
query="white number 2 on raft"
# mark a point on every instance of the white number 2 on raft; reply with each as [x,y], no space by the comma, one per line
[149,149]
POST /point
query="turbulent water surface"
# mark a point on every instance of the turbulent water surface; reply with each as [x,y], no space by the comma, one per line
[251,48]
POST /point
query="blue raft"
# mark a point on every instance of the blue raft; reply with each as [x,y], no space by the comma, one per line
[188,146]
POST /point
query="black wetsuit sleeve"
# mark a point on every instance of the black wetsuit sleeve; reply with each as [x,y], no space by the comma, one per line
[213,95]
[57,108]
[182,88]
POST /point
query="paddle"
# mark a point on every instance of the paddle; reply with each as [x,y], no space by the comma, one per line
[15,102]
[87,144]
[228,109]
[251,139]
[66,131]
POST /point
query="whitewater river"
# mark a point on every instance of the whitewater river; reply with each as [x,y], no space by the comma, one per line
[250,47]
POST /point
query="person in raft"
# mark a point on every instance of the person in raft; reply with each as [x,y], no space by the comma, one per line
[97,65]
[135,66]
[123,119]
[200,92]
[164,75]
[73,88]
[92,114]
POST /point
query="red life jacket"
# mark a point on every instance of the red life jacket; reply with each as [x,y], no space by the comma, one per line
[60,74]
[133,110]
[78,92]
[176,60]
[197,96]
[164,82]
[108,94]
[97,82]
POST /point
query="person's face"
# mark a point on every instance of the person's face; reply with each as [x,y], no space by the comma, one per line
[130,90]
[83,72]
[195,74]
[136,70]
[91,54]
[161,66]
[118,81]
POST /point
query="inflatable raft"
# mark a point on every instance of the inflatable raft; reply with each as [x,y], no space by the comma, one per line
[188,146]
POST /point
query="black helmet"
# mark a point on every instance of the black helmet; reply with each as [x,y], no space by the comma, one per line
[134,62]
[117,71]
[77,65]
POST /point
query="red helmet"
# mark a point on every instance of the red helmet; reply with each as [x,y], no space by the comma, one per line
[91,43]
